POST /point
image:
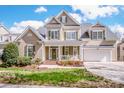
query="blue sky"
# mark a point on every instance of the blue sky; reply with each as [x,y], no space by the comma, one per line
[16,18]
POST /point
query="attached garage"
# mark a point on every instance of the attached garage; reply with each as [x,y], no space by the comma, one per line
[97,55]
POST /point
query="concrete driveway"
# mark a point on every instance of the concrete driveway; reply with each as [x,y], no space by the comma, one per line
[109,70]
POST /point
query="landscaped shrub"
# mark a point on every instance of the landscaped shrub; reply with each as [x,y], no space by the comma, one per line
[70,63]
[64,63]
[10,54]
[38,61]
[23,61]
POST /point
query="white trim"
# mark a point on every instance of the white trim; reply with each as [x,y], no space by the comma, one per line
[43,53]
[51,53]
[54,34]
[98,48]
[75,48]
[97,34]
[75,35]
[28,45]
[97,30]
[25,31]
[64,19]
[5,28]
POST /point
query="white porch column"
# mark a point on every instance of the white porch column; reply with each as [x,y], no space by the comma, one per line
[81,51]
[49,53]
[43,53]
[59,53]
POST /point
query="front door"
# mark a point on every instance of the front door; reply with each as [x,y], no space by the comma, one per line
[54,53]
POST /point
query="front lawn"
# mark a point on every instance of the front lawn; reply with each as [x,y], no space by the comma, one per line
[54,77]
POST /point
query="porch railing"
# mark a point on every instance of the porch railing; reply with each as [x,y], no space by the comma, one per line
[70,57]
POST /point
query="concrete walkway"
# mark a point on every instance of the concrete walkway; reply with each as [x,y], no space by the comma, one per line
[57,66]
[109,70]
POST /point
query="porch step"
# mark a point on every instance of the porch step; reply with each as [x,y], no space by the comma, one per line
[48,62]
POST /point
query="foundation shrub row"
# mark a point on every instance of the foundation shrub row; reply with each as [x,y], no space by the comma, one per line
[10,57]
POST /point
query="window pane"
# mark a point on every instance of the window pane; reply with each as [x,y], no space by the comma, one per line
[94,35]
[31,50]
[70,35]
[54,34]
[99,35]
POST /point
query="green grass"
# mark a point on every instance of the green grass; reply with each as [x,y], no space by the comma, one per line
[56,77]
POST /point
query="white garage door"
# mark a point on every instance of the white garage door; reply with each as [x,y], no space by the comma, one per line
[100,55]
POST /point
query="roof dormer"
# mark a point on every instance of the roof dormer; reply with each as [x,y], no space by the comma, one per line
[66,19]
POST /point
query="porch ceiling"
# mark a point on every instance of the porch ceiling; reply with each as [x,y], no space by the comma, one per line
[63,43]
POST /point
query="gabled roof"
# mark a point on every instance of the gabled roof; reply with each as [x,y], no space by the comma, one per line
[98,24]
[4,28]
[53,18]
[63,11]
[26,30]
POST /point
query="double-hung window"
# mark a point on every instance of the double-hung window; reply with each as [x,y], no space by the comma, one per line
[97,34]
[54,34]
[29,50]
[71,35]
[100,35]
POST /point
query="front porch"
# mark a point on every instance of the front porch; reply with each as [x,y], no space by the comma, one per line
[62,53]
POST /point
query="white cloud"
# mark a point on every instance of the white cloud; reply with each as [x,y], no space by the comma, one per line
[92,12]
[118,29]
[18,27]
[40,9]
[76,16]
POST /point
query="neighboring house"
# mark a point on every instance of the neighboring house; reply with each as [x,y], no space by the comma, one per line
[63,38]
[4,37]
[120,50]
[13,36]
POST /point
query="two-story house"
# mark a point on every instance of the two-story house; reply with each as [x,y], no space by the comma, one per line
[4,37]
[63,38]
